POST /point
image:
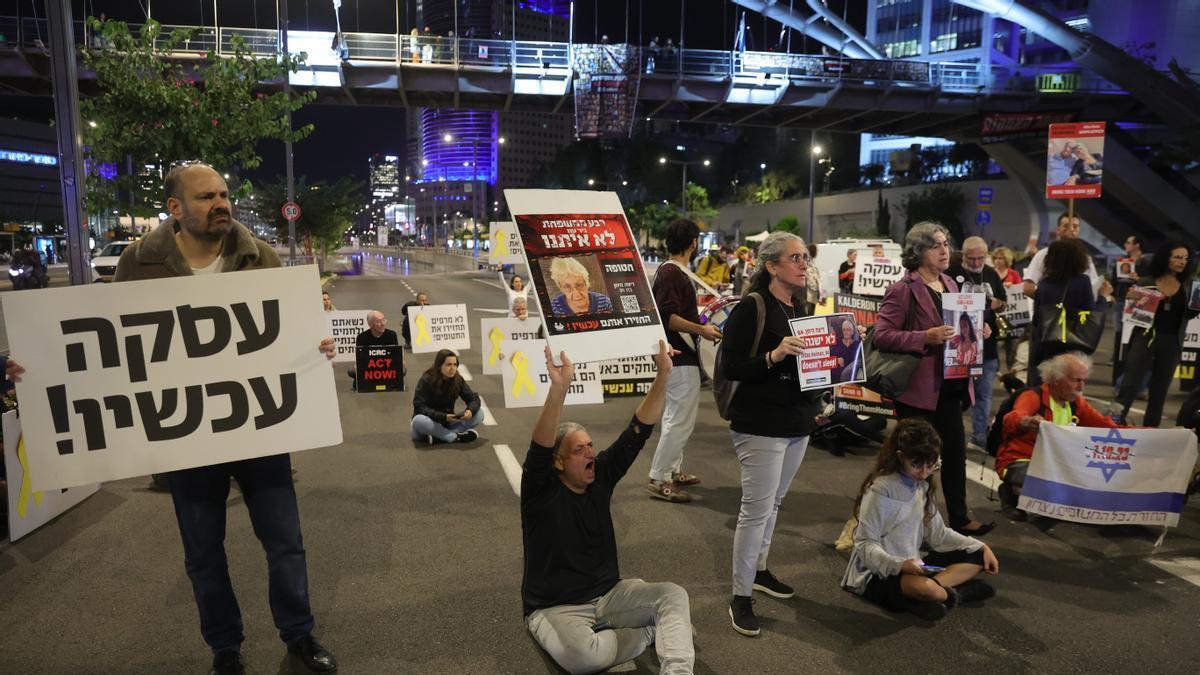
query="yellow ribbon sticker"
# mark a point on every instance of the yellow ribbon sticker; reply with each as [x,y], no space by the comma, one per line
[501,235]
[422,330]
[520,364]
[495,336]
[26,486]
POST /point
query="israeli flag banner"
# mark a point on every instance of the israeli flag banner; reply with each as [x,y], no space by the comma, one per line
[1109,476]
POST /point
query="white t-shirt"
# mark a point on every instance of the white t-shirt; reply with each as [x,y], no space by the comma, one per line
[1036,270]
[213,267]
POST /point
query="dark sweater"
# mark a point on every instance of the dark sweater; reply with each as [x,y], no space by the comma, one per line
[570,547]
[427,402]
[368,339]
[768,402]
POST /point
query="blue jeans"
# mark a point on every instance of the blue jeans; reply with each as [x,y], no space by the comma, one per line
[982,410]
[423,425]
[200,495]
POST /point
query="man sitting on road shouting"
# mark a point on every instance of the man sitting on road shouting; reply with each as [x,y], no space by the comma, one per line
[577,606]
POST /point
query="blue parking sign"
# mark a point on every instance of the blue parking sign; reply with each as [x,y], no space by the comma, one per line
[985,195]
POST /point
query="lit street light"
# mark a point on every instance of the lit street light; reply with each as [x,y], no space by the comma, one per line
[684,164]
[812,186]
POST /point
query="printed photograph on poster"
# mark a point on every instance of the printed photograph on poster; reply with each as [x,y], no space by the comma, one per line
[437,327]
[1075,160]
[142,377]
[964,350]
[526,382]
[832,352]
[496,331]
[1141,303]
[588,277]
[1194,297]
[1126,269]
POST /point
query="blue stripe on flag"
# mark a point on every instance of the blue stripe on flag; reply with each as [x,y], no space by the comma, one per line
[1061,493]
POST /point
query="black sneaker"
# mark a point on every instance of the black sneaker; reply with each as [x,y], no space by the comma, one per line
[468,436]
[1008,503]
[227,662]
[767,583]
[741,612]
[315,657]
[929,611]
[976,590]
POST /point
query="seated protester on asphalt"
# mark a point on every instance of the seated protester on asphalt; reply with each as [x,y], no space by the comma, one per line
[1058,401]
[896,513]
[576,604]
[376,335]
[434,419]
[421,301]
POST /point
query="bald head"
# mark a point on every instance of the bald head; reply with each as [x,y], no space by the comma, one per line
[198,199]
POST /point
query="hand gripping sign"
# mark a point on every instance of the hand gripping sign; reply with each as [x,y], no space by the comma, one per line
[151,376]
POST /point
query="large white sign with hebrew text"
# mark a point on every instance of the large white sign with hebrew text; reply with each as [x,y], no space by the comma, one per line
[144,377]
[437,327]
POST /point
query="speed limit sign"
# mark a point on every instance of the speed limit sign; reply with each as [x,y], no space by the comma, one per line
[291,211]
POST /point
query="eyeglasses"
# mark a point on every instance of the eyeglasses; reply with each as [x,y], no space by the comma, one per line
[795,258]
[923,466]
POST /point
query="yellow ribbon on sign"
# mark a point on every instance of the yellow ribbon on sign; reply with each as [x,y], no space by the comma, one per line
[26,487]
[495,336]
[520,364]
[422,330]
[501,235]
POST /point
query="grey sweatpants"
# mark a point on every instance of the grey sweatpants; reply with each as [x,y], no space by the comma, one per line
[768,466]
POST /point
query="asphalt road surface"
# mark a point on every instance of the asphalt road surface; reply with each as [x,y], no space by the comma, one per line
[414,558]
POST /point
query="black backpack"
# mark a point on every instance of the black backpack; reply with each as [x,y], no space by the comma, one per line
[723,389]
[996,431]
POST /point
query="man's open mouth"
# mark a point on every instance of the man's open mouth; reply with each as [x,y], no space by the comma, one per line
[590,466]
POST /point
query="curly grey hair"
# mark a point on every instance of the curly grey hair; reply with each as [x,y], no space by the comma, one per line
[1055,368]
[918,240]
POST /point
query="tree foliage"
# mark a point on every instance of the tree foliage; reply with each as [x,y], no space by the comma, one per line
[883,217]
[698,207]
[650,219]
[152,108]
[788,224]
[326,210]
[773,186]
[939,203]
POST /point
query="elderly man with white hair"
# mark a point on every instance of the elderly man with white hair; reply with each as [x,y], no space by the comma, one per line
[1059,400]
[974,275]
[576,296]
[377,334]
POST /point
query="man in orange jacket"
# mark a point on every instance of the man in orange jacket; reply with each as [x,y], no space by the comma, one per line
[1059,401]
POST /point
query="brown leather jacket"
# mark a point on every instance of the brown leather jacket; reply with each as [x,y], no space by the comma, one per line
[156,256]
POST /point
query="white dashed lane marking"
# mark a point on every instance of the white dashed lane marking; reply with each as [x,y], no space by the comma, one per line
[512,470]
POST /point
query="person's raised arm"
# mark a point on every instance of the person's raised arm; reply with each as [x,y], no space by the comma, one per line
[651,407]
[546,426]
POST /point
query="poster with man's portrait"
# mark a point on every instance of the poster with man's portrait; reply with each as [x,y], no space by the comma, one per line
[1075,160]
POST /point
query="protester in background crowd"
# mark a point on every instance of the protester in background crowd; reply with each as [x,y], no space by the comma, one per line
[377,334]
[1002,262]
[713,268]
[675,295]
[405,329]
[575,296]
[514,288]
[439,389]
[1141,268]
[975,276]
[577,606]
[327,302]
[1065,281]
[1158,349]
[896,514]
[1059,401]
[812,292]
[1068,229]
[199,238]
[846,272]
[741,269]
[929,396]
[770,418]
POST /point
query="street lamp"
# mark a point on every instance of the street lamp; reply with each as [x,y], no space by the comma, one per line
[683,187]
[812,186]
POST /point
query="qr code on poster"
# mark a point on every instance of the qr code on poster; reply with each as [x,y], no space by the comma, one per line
[629,304]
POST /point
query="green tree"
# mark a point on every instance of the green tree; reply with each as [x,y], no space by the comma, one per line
[883,217]
[326,211]
[152,109]
[698,207]
[651,219]
[788,224]
[773,186]
[939,203]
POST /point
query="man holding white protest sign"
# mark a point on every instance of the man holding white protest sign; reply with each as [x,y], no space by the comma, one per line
[200,238]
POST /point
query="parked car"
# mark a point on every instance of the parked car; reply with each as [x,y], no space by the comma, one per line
[104,265]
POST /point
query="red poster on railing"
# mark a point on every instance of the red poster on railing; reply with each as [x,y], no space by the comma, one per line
[1075,160]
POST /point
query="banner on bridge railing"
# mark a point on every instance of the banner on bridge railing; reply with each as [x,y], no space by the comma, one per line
[607,78]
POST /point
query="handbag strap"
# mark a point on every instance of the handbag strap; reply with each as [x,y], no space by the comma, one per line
[911,316]
[761,309]
[700,282]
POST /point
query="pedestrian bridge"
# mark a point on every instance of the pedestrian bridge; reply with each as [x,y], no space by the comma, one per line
[829,93]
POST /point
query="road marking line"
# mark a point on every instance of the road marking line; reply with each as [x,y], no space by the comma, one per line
[1187,569]
[488,420]
[490,310]
[485,282]
[462,370]
[508,462]
[989,478]
[1100,400]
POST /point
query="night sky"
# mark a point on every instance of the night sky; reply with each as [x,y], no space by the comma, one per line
[345,135]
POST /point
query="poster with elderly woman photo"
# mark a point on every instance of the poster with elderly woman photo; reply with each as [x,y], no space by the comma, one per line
[1075,160]
[587,273]
[964,350]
